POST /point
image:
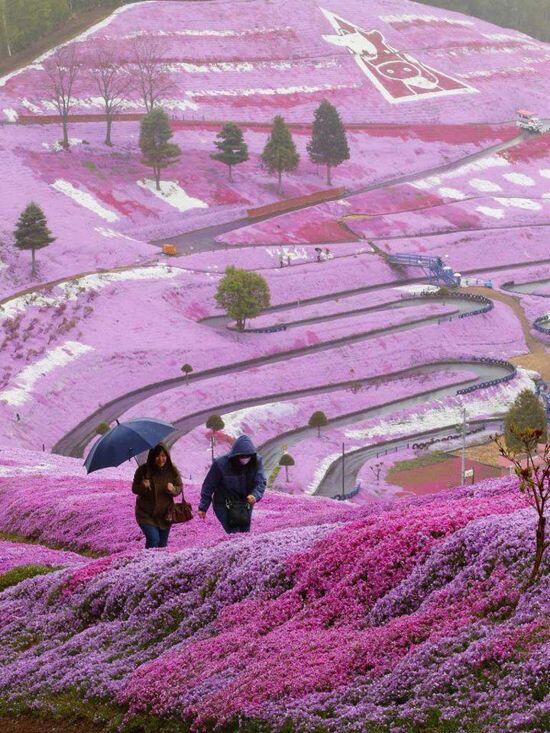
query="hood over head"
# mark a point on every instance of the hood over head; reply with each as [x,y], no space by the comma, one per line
[243,446]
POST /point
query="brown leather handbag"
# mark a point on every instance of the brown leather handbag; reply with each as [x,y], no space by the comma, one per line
[179,512]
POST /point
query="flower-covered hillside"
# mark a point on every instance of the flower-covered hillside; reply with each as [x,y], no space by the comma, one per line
[243,61]
[413,617]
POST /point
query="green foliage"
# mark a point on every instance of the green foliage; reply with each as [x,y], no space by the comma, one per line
[426,459]
[280,154]
[328,144]
[154,135]
[318,420]
[90,165]
[286,460]
[527,412]
[26,21]
[242,294]
[102,428]
[215,423]
[16,575]
[32,231]
[232,147]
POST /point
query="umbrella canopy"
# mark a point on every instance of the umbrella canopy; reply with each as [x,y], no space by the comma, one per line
[126,440]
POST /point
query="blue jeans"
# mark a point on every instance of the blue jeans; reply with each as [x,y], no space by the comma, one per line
[221,512]
[154,537]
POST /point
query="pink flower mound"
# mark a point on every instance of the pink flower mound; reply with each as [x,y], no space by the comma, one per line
[374,595]
[16,554]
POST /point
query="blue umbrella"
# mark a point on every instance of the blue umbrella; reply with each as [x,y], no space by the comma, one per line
[125,441]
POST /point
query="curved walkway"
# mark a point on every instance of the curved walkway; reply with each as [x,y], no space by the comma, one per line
[528,288]
[331,485]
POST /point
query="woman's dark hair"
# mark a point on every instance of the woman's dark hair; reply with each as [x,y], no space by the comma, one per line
[156,451]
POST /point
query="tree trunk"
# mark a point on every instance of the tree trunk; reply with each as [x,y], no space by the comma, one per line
[230,173]
[286,472]
[65,142]
[108,134]
[329,175]
[318,431]
[33,267]
[540,548]
[280,188]
[157,178]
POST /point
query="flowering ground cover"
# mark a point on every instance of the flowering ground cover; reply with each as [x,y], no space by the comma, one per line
[442,619]
[17,554]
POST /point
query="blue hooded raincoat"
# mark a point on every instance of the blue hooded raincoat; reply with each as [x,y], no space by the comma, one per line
[227,479]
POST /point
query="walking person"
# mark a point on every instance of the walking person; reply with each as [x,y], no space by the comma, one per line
[234,483]
[156,483]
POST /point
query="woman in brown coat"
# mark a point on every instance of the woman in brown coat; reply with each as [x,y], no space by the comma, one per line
[156,483]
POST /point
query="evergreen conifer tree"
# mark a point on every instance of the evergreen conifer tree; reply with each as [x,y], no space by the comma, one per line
[154,136]
[526,413]
[280,154]
[232,147]
[32,231]
[328,144]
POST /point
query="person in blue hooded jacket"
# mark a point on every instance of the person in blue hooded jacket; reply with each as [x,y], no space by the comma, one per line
[234,483]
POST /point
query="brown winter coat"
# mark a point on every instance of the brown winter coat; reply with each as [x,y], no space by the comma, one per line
[152,504]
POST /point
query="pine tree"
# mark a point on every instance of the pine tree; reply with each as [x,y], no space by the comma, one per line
[32,231]
[328,145]
[526,413]
[233,149]
[280,154]
[242,294]
[187,369]
[154,136]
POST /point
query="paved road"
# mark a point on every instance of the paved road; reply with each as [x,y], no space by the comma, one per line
[203,240]
[74,442]
[331,485]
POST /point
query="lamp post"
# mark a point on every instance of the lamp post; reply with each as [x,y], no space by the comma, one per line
[343,470]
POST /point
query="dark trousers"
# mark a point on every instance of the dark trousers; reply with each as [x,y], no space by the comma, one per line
[221,512]
[154,537]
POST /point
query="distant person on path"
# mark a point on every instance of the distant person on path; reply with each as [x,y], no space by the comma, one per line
[156,483]
[234,483]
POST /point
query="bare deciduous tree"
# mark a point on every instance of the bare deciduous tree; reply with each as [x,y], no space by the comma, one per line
[113,82]
[150,72]
[533,471]
[62,70]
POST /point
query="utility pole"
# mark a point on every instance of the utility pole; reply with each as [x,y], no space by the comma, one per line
[343,470]
[5,26]
[463,458]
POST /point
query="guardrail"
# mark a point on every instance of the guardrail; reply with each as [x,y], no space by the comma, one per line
[512,372]
[542,324]
[349,495]
[267,329]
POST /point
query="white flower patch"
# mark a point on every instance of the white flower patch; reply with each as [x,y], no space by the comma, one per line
[22,302]
[11,114]
[545,172]
[519,178]
[489,211]
[257,417]
[57,146]
[271,91]
[520,203]
[490,161]
[27,378]
[207,32]
[30,106]
[491,401]
[452,193]
[320,472]
[112,234]
[417,289]
[84,199]
[293,253]
[481,184]
[172,193]
[411,18]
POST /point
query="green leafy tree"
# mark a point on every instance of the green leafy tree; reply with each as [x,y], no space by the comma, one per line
[318,420]
[287,460]
[532,468]
[328,144]
[25,21]
[242,294]
[214,424]
[231,146]
[187,369]
[32,231]
[280,155]
[526,413]
[154,136]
